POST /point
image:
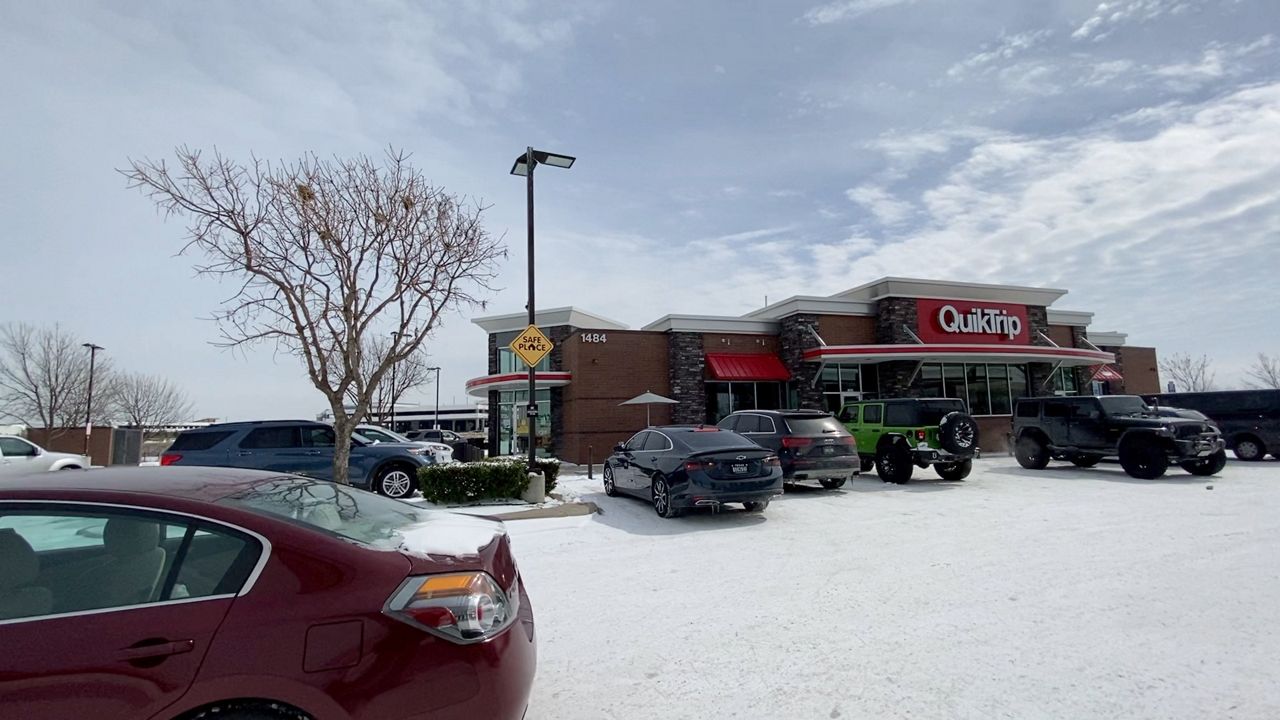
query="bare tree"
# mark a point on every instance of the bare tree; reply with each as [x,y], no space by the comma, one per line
[145,401]
[1264,372]
[326,255]
[44,378]
[1189,374]
[407,375]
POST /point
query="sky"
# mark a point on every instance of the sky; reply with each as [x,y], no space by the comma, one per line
[1127,151]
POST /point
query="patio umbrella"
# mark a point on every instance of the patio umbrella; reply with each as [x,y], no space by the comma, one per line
[646,399]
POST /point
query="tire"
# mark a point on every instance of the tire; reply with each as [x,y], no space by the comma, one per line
[1031,453]
[68,467]
[958,433]
[660,496]
[867,463]
[609,488]
[954,471]
[832,483]
[1204,467]
[893,463]
[1143,458]
[1250,449]
[395,481]
[1085,461]
[756,506]
[249,711]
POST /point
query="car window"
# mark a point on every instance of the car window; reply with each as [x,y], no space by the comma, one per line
[637,441]
[849,414]
[318,437]
[13,447]
[1056,409]
[280,436]
[747,424]
[378,435]
[73,560]
[1028,409]
[899,415]
[191,441]
[823,425]
[215,561]
[709,439]
[871,414]
[657,442]
[729,423]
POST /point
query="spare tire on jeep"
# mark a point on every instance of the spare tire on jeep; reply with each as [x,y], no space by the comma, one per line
[958,433]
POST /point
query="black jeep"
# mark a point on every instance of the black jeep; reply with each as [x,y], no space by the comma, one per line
[1084,430]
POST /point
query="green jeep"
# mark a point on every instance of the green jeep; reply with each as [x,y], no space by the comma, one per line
[893,435]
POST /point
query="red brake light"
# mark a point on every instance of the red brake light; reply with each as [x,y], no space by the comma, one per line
[695,466]
[704,428]
[920,435]
[169,458]
[793,442]
[846,440]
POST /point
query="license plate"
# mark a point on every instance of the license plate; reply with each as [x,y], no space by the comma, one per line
[828,450]
[922,445]
[739,468]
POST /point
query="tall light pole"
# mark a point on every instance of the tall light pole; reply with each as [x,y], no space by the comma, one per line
[88,405]
[524,165]
[395,337]
[437,372]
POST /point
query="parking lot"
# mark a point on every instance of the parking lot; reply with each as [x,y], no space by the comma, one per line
[1063,593]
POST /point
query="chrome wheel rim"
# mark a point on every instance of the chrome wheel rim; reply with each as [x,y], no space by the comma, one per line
[1247,448]
[964,436]
[396,483]
[608,479]
[660,497]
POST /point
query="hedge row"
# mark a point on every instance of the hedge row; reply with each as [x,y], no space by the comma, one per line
[492,478]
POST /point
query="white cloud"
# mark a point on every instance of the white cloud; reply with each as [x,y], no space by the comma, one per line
[1005,48]
[1218,60]
[883,205]
[1109,15]
[833,12]
[718,69]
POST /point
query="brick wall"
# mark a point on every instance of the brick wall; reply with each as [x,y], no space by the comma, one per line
[604,374]
[739,344]
[686,370]
[1140,369]
[1063,335]
[847,329]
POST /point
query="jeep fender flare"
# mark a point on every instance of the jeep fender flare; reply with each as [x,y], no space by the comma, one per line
[1034,433]
[1143,435]
[891,438]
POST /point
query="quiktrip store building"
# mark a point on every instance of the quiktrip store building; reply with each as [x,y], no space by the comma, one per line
[895,337]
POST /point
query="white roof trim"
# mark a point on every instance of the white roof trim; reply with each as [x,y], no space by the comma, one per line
[553,317]
[812,305]
[946,290]
[712,324]
[1070,317]
[1107,339]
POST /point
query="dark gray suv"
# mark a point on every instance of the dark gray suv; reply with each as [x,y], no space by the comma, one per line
[299,447]
[811,444]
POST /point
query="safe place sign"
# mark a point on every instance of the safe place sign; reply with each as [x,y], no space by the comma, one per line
[531,345]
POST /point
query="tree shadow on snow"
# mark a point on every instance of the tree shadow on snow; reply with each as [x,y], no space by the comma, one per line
[636,516]
[1105,472]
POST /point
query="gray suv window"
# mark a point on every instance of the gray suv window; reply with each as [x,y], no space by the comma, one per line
[748,424]
[283,436]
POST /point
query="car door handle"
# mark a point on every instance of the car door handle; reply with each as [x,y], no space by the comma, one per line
[156,649]
[313,452]
[243,453]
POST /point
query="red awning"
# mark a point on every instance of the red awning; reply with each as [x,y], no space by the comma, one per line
[728,366]
[1107,373]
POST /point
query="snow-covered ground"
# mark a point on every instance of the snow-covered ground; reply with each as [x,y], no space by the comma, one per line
[1063,593]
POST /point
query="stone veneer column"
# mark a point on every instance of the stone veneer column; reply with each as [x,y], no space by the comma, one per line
[493,396]
[1038,327]
[793,340]
[1084,373]
[686,363]
[894,317]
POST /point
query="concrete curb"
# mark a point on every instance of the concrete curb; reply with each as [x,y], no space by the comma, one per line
[566,510]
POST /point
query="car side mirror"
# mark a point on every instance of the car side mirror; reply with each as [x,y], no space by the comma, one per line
[620,447]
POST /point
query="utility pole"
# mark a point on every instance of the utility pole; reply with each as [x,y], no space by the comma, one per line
[88,405]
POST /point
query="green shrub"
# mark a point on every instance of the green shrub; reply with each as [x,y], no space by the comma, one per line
[468,482]
[550,468]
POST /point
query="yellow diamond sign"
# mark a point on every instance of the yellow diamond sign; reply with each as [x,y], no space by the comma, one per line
[531,345]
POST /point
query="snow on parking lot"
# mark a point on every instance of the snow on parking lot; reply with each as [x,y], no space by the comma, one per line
[1063,593]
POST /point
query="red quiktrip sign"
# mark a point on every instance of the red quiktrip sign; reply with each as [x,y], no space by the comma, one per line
[967,321]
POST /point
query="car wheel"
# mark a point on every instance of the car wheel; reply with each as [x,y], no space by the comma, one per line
[660,493]
[69,467]
[756,505]
[954,471]
[1250,448]
[1085,461]
[609,488]
[958,433]
[832,483]
[893,462]
[1211,465]
[1143,458]
[395,482]
[1031,453]
[867,463]
[249,711]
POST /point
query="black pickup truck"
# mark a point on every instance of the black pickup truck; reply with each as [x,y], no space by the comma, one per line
[1084,430]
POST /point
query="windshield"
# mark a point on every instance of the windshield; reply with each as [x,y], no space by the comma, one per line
[1123,405]
[381,435]
[331,508]
[711,439]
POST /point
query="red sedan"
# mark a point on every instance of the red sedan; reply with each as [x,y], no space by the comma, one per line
[184,593]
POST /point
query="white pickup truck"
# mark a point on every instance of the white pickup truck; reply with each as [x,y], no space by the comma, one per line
[19,456]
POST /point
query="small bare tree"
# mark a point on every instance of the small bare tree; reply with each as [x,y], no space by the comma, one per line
[326,255]
[145,401]
[1264,372]
[1189,374]
[407,375]
[44,378]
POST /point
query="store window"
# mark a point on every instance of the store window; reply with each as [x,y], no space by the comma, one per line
[986,389]
[1063,382]
[847,383]
[513,423]
[509,362]
[727,397]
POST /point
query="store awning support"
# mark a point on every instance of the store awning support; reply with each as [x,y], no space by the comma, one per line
[1056,368]
[914,373]
[914,336]
[814,333]
[1048,339]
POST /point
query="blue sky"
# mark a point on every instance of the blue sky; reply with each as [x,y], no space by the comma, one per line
[1128,151]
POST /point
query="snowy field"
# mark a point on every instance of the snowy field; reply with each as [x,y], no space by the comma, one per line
[1063,593]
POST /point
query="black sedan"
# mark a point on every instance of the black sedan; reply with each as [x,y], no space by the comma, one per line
[681,467]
